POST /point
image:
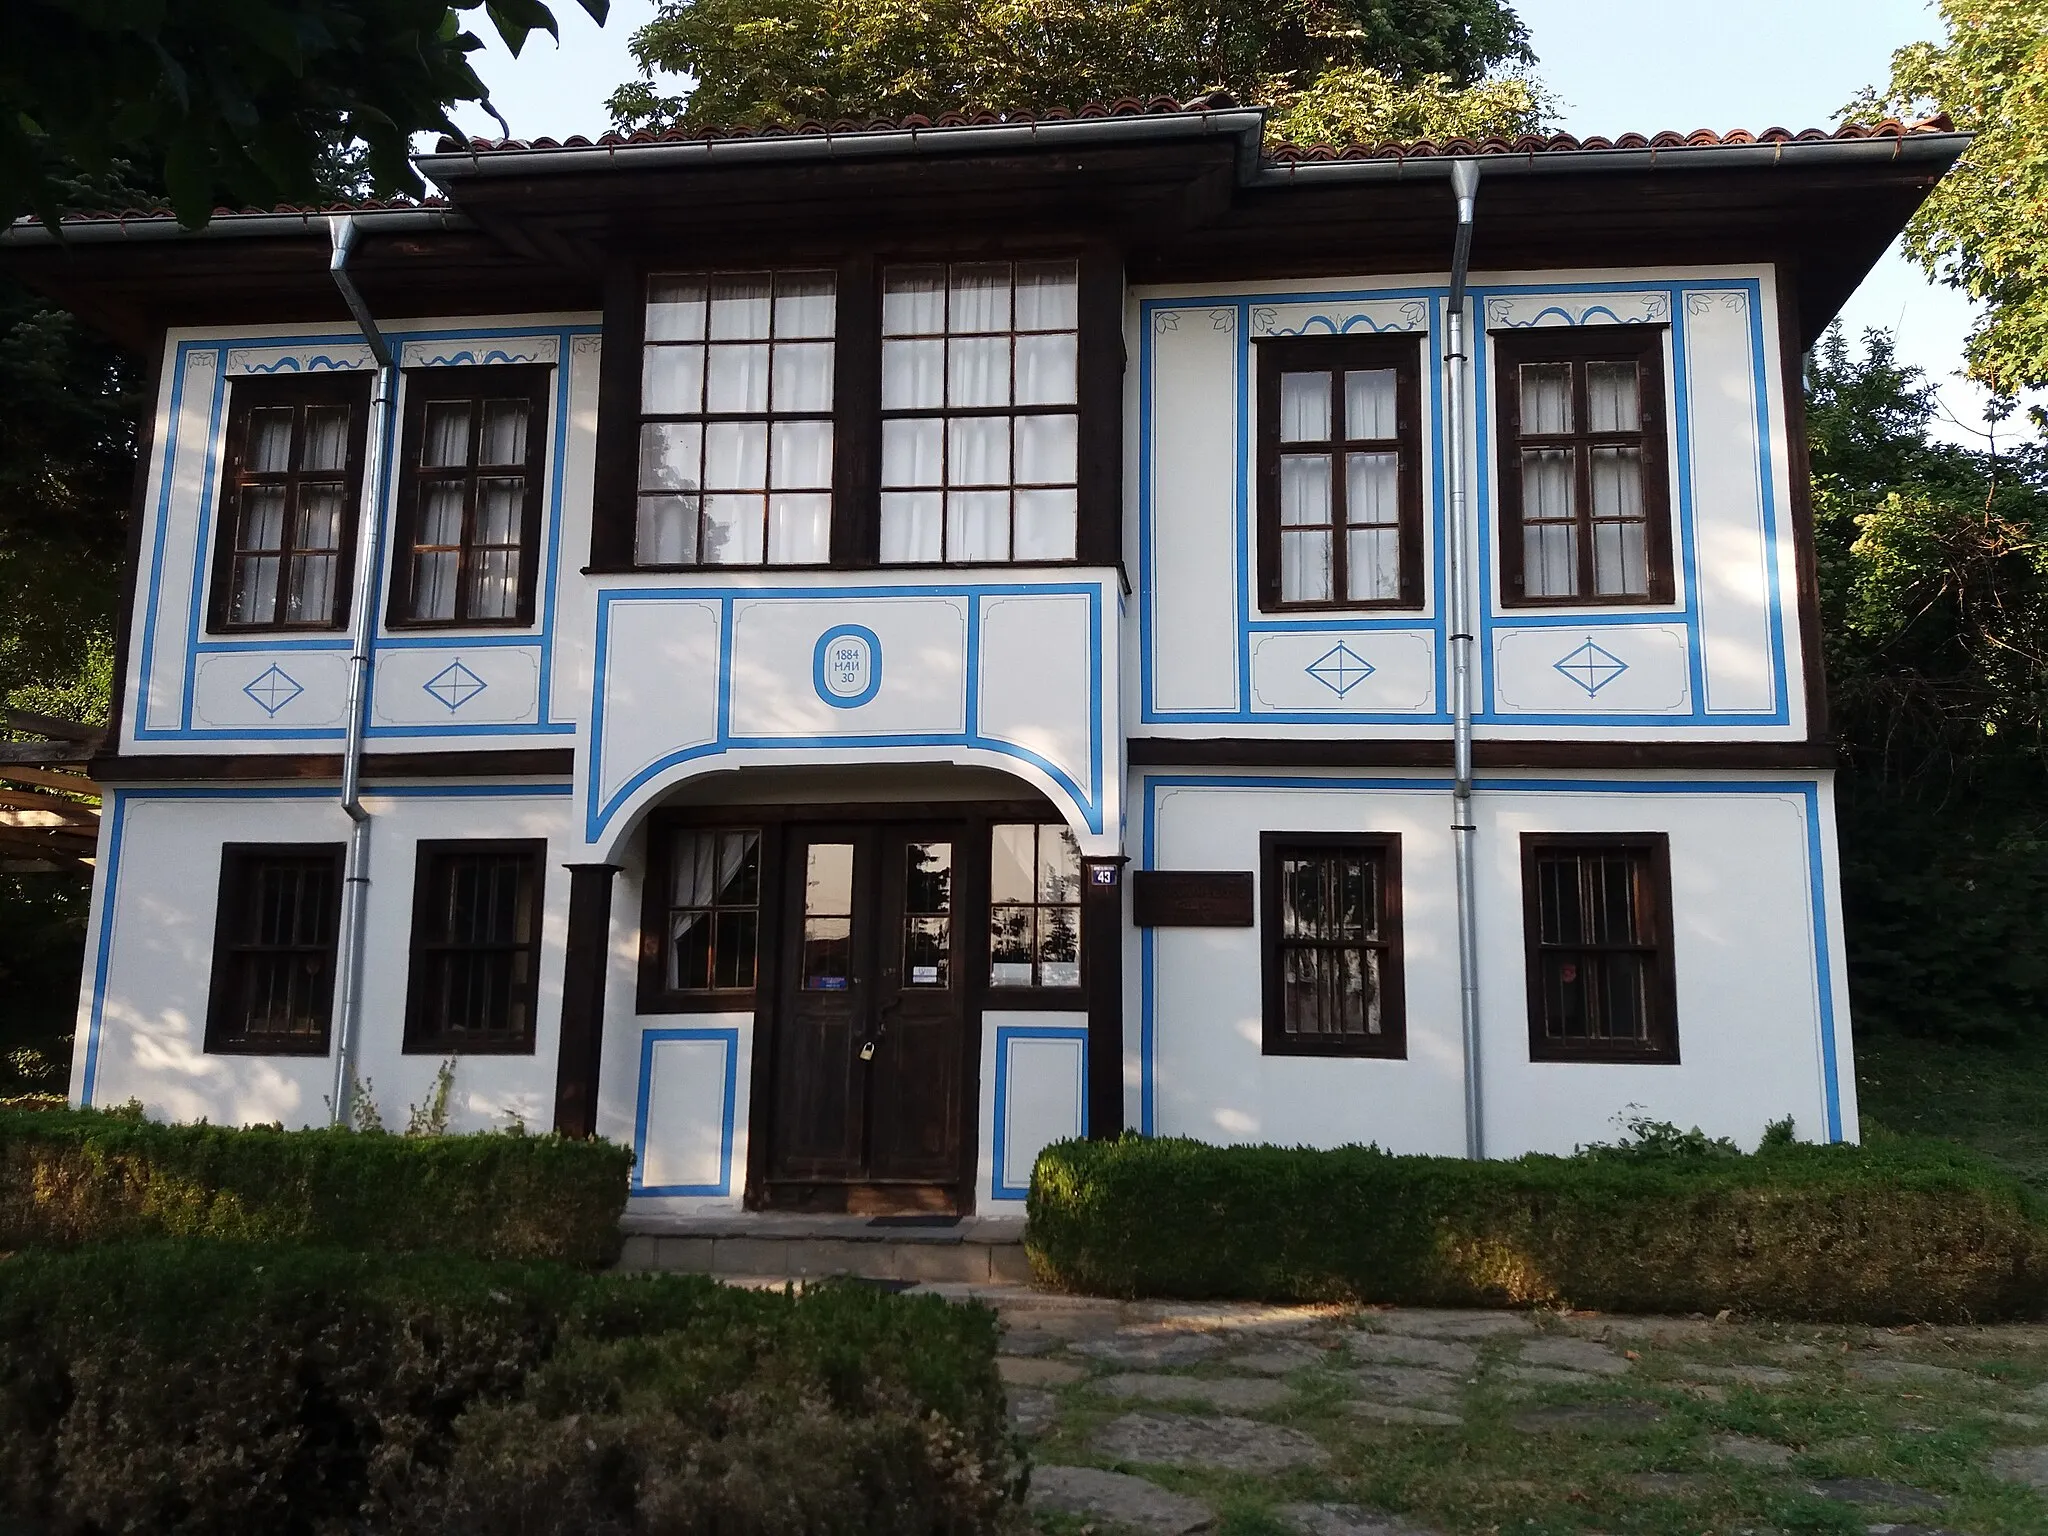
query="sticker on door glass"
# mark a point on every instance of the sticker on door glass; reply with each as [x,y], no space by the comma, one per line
[924,975]
[846,668]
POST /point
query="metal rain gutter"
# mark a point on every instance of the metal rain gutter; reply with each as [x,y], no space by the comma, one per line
[1465,186]
[1246,124]
[1935,151]
[362,641]
[230,226]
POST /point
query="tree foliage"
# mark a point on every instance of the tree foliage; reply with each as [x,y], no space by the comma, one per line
[1985,227]
[1349,68]
[238,99]
[1934,593]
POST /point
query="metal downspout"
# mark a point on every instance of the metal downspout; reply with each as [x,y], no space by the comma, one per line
[362,634]
[1465,186]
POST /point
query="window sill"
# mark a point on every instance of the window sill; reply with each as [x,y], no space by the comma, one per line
[463,1048]
[1395,1049]
[997,999]
[667,1004]
[1605,1058]
[1576,604]
[265,1049]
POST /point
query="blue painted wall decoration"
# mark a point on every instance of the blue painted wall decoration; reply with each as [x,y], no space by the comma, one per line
[846,668]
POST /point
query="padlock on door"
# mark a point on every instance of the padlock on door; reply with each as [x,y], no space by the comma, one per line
[867,1050]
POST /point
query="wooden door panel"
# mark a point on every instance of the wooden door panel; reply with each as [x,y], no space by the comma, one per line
[874,957]
[820,1097]
[914,1132]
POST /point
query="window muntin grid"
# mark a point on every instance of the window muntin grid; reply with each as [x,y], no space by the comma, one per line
[1034,906]
[980,421]
[736,433]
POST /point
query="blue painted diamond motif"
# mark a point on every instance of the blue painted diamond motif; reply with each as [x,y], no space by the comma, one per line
[1340,669]
[454,685]
[1591,667]
[273,688]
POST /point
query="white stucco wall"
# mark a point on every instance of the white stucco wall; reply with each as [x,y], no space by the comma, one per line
[1756,934]
[149,955]
[1719,662]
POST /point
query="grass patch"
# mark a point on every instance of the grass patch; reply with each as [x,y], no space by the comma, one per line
[1991,1099]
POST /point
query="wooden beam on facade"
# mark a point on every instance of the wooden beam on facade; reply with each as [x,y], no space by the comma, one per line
[53,726]
[54,752]
[18,773]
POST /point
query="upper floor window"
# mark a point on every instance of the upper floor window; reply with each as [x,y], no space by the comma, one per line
[1596,914]
[1583,494]
[1331,942]
[289,492]
[736,420]
[474,458]
[475,947]
[275,933]
[899,411]
[980,398]
[1340,472]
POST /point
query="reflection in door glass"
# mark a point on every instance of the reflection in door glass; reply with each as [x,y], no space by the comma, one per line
[828,917]
[927,914]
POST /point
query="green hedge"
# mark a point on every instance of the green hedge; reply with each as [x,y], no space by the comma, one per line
[78,1176]
[1887,1232]
[200,1388]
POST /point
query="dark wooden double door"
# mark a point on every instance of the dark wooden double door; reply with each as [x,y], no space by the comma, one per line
[870,1055]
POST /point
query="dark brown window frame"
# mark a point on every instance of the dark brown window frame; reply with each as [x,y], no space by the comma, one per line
[1336,354]
[237,861]
[418,1040]
[1661,1046]
[300,390]
[654,994]
[1638,343]
[855,539]
[535,383]
[1392,1044]
[1036,994]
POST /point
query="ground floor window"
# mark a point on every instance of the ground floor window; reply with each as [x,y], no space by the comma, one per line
[475,947]
[1034,906]
[1596,915]
[1331,937]
[275,931]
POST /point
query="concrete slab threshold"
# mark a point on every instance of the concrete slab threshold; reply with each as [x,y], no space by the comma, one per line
[778,1246]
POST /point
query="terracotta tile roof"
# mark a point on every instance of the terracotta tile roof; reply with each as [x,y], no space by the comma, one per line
[1129,106]
[1565,143]
[308,210]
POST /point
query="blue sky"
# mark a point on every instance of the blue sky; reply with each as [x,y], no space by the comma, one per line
[1615,67]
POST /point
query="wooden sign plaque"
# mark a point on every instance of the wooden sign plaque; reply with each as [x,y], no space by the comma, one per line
[1191,898]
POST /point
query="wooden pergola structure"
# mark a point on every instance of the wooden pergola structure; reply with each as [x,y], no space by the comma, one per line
[49,804]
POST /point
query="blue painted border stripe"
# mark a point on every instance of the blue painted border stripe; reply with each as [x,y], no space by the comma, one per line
[1808,791]
[726,1035]
[1007,1035]
[599,810]
[108,882]
[385,497]
[1685,535]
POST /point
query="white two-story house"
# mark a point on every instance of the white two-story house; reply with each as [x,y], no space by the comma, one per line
[837,657]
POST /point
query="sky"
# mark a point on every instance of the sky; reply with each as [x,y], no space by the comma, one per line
[1615,67]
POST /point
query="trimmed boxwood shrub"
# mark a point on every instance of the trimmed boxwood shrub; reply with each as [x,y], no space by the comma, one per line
[1887,1232]
[78,1176]
[224,1388]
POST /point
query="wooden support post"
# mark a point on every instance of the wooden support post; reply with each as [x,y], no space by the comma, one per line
[583,977]
[1102,959]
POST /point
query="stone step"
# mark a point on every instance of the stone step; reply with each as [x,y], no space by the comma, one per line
[977,1250]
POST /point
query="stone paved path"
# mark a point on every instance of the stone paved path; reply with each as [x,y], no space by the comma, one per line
[1275,1421]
